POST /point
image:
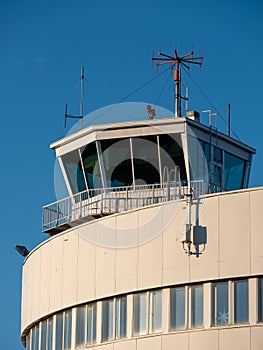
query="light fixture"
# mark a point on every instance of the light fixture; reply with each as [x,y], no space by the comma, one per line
[22,250]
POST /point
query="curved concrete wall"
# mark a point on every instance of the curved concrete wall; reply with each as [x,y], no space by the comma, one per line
[68,269]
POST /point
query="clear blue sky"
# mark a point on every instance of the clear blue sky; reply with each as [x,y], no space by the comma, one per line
[43,44]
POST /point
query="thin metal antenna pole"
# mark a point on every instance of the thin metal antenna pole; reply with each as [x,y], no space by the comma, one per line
[229,116]
[81,95]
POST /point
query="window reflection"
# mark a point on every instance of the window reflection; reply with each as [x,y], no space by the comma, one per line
[59,331]
[91,166]
[139,314]
[92,323]
[121,317]
[260,299]
[241,301]
[234,168]
[172,155]
[197,306]
[177,308]
[156,311]
[220,304]
[73,168]
[107,320]
[117,162]
[145,159]
[80,325]
[43,335]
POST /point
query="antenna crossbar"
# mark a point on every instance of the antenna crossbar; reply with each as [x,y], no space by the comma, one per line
[174,63]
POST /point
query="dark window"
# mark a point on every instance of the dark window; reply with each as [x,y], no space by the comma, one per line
[260,299]
[117,162]
[234,168]
[172,156]
[72,165]
[91,166]
[145,159]
[241,301]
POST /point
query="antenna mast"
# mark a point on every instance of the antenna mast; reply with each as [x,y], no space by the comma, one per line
[175,62]
[80,116]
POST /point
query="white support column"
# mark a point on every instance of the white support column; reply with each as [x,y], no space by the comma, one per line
[129,316]
[99,322]
[207,304]
[166,310]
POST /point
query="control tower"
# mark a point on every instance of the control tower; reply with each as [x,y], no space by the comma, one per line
[157,246]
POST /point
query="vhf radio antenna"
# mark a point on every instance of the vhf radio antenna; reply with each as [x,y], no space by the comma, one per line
[80,116]
[175,62]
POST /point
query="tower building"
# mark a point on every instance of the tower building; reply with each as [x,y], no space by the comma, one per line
[157,246]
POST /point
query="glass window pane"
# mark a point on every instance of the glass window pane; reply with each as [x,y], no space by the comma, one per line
[260,299]
[146,160]
[233,172]
[33,338]
[73,168]
[121,317]
[139,314]
[67,330]
[59,331]
[241,301]
[220,303]
[91,165]
[177,308]
[80,325]
[107,320]
[43,335]
[156,311]
[50,334]
[197,306]
[117,162]
[37,338]
[92,323]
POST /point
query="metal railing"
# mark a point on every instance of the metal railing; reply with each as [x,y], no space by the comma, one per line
[89,204]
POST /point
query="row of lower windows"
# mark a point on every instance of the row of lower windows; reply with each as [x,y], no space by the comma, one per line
[108,319]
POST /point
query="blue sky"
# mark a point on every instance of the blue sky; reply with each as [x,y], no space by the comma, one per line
[43,45]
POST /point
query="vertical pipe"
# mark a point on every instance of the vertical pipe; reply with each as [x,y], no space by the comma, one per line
[177,78]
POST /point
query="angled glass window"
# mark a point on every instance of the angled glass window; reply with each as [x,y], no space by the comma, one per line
[156,311]
[92,323]
[117,162]
[241,301]
[220,313]
[172,156]
[121,317]
[177,308]
[80,325]
[234,169]
[260,300]
[218,155]
[197,306]
[139,314]
[91,166]
[43,344]
[146,160]
[107,319]
[73,168]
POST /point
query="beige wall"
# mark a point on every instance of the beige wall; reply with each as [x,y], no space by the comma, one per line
[67,269]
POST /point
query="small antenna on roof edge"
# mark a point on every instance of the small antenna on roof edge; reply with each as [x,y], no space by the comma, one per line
[80,116]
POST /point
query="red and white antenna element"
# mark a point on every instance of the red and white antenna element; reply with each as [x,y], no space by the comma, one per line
[175,63]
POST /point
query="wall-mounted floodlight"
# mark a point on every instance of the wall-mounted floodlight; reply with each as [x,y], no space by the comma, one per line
[22,250]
